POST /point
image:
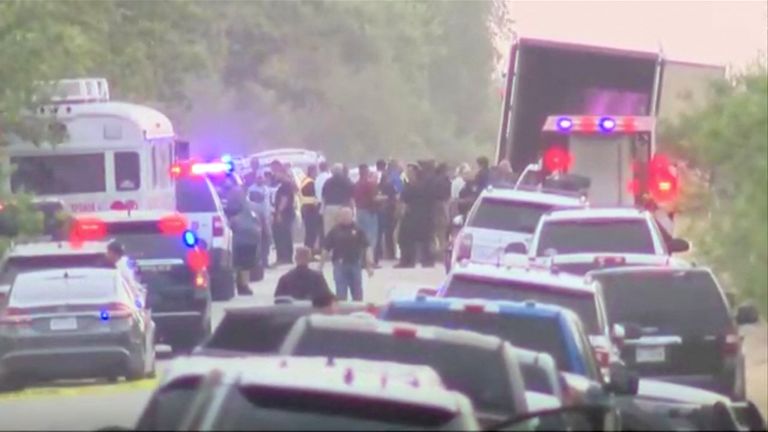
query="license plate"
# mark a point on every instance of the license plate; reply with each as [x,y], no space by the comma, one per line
[155,268]
[64,323]
[655,354]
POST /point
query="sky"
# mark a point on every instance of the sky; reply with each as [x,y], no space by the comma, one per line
[730,33]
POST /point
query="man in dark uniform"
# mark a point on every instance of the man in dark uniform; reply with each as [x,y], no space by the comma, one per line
[417,228]
[302,283]
[282,227]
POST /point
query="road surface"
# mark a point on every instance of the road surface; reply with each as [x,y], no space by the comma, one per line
[93,405]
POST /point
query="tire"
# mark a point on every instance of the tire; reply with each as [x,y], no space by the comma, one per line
[222,284]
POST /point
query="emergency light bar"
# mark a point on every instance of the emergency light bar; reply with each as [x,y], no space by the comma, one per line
[203,168]
[598,124]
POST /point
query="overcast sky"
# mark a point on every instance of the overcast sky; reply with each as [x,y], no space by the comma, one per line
[718,32]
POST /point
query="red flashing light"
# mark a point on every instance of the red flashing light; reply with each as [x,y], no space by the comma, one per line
[557,159]
[628,124]
[475,308]
[176,170]
[587,124]
[87,229]
[198,260]
[404,332]
[200,281]
[174,224]
[663,182]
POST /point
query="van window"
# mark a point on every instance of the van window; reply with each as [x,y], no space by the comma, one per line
[127,173]
[194,195]
[59,174]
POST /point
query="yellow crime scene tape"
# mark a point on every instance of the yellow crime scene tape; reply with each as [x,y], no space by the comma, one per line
[80,390]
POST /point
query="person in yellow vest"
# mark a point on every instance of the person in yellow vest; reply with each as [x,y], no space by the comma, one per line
[310,210]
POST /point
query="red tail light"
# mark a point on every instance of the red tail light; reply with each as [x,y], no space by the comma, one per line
[174,224]
[464,247]
[176,171]
[602,356]
[557,159]
[731,344]
[404,332]
[610,260]
[218,226]
[198,260]
[87,229]
[662,179]
[201,282]
[15,316]
[116,310]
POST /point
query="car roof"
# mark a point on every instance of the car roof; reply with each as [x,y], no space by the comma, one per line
[532,197]
[598,213]
[57,249]
[565,281]
[48,276]
[647,269]
[112,216]
[500,307]
[423,332]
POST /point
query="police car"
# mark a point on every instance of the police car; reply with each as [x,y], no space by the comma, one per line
[303,393]
[577,241]
[503,216]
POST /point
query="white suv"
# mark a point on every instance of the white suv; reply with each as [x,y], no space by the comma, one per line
[578,241]
[503,216]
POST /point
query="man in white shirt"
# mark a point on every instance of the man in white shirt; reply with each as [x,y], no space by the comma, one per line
[323,174]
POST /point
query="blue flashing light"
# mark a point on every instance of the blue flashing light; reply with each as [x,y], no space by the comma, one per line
[607,124]
[104,315]
[564,123]
[190,238]
[138,304]
[226,158]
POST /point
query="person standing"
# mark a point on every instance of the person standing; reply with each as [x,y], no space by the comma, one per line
[310,210]
[337,193]
[441,192]
[258,195]
[483,177]
[301,282]
[365,195]
[246,233]
[385,241]
[417,227]
[347,246]
[322,176]
[285,216]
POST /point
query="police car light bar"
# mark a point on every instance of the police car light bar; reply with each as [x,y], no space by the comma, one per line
[603,124]
[212,168]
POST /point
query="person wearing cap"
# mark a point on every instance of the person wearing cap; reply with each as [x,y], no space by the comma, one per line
[302,282]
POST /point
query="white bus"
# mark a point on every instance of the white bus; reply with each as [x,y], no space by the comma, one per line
[115,156]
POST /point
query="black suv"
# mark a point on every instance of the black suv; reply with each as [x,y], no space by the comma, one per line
[679,326]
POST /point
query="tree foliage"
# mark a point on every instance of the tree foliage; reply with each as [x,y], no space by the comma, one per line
[728,141]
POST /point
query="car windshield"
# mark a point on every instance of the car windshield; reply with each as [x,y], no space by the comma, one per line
[582,303]
[596,236]
[681,303]
[455,363]
[27,292]
[268,408]
[144,240]
[506,215]
[22,264]
[59,174]
[534,333]
[168,405]
[193,195]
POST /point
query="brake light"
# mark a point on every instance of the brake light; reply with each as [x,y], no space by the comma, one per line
[176,170]
[602,356]
[218,226]
[476,308]
[15,316]
[174,224]
[731,344]
[87,229]
[115,310]
[556,159]
[201,281]
[464,247]
[198,259]
[663,182]
[404,332]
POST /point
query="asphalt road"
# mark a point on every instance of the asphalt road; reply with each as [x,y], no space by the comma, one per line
[95,404]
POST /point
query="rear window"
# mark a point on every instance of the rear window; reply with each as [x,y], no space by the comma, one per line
[193,195]
[456,364]
[144,240]
[507,215]
[534,333]
[59,174]
[684,303]
[583,304]
[252,333]
[27,292]
[269,408]
[596,236]
[20,264]
[167,407]
[127,173]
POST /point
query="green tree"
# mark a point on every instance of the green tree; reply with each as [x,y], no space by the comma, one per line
[728,141]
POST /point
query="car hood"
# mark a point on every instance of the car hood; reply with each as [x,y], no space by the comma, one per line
[661,391]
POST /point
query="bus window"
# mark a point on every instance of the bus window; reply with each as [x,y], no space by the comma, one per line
[59,174]
[154,167]
[127,173]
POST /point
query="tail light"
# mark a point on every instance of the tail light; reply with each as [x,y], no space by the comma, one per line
[218,226]
[602,356]
[15,316]
[556,159]
[610,260]
[173,224]
[87,229]
[464,247]
[116,310]
[201,282]
[731,344]
[198,260]
[662,179]
[404,332]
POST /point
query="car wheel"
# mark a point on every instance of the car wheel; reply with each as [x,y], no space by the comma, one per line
[222,285]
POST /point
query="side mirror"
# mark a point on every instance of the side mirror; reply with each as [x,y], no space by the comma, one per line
[458,221]
[622,380]
[630,330]
[747,314]
[677,245]
[516,248]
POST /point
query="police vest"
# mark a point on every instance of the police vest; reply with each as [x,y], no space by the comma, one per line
[310,199]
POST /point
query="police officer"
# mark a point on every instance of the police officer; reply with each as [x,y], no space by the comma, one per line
[310,210]
[246,233]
